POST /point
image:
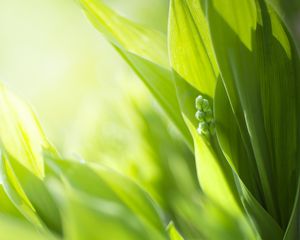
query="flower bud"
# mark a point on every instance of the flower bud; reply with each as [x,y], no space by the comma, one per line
[203,128]
[198,102]
[205,105]
[200,115]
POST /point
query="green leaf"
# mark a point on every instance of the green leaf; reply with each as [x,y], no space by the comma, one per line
[16,193]
[41,201]
[126,34]
[22,166]
[145,50]
[233,145]
[173,233]
[159,81]
[214,174]
[257,62]
[191,52]
[105,185]
[6,205]
[292,230]
[20,133]
[216,179]
[85,215]
[199,217]
[14,229]
[241,161]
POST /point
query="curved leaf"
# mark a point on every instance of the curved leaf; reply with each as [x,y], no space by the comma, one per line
[241,161]
[105,185]
[22,166]
[20,133]
[214,174]
[173,233]
[14,229]
[191,52]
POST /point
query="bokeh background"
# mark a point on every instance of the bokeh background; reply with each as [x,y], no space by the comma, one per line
[52,56]
[89,102]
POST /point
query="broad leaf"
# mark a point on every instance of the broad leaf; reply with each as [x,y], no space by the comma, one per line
[191,53]
[215,176]
[34,189]
[257,62]
[233,147]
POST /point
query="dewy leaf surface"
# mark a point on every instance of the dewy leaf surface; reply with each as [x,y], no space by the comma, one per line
[146,52]
[258,65]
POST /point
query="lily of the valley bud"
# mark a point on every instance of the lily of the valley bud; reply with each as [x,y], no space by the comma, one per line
[200,116]
[203,128]
[205,117]
[199,101]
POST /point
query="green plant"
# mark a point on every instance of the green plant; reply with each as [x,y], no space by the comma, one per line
[241,57]
[227,75]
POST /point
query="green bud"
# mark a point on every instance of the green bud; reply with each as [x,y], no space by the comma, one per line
[205,105]
[203,128]
[198,103]
[200,115]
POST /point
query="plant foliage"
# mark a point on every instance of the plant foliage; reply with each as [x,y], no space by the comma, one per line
[232,63]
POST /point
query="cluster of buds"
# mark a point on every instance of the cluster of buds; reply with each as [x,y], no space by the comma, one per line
[205,117]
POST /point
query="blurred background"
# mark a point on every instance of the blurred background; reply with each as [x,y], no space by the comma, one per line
[90,103]
[52,56]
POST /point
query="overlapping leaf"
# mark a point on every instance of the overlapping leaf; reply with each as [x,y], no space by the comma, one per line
[173,233]
[14,229]
[234,150]
[20,133]
[187,22]
[123,202]
[22,167]
[258,66]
